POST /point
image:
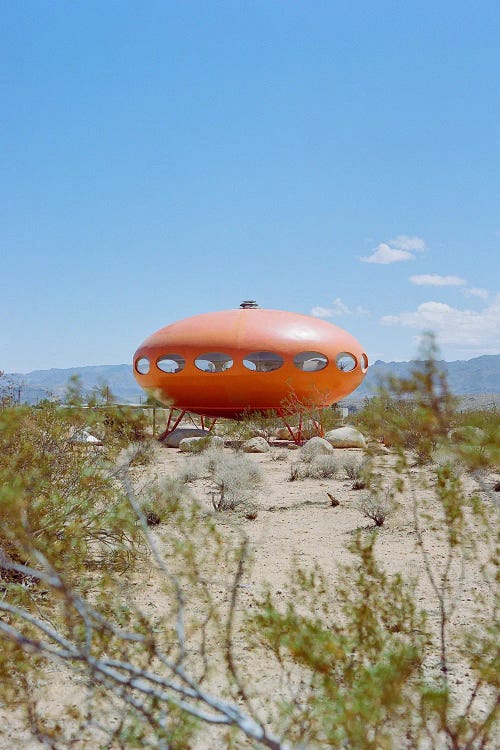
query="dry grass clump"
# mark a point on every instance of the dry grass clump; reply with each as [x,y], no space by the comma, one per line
[138,453]
[161,498]
[323,467]
[296,471]
[278,454]
[376,506]
[233,477]
[204,444]
[442,456]
[199,465]
[354,467]
[315,467]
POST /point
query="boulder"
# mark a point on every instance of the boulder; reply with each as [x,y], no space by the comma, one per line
[83,437]
[256,445]
[173,440]
[192,444]
[346,437]
[316,446]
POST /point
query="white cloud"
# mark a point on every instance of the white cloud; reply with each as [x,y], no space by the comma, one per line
[476,292]
[467,328]
[385,254]
[398,249]
[403,242]
[338,308]
[321,312]
[434,279]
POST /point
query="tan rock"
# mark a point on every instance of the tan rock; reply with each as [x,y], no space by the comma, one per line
[192,444]
[173,440]
[256,445]
[316,446]
[346,437]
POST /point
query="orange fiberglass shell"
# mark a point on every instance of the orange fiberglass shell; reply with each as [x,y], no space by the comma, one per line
[230,363]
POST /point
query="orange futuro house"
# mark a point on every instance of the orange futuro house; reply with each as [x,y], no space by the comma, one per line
[235,362]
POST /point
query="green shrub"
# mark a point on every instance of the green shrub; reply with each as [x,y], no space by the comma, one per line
[59,496]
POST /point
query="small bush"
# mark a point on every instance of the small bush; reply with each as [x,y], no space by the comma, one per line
[204,464]
[323,467]
[312,466]
[141,453]
[376,507]
[296,471]
[358,484]
[63,497]
[161,498]
[354,467]
[277,454]
[235,479]
[234,476]
[204,444]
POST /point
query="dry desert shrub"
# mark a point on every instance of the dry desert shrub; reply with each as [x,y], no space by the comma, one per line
[204,464]
[204,444]
[278,454]
[233,477]
[61,495]
[377,505]
[323,467]
[296,471]
[161,497]
[354,467]
[319,466]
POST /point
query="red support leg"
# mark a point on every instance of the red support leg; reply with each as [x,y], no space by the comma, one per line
[295,438]
[319,427]
[299,433]
[176,423]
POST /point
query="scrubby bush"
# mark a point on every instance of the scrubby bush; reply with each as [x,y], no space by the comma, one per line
[277,454]
[354,467]
[58,495]
[160,497]
[323,467]
[376,506]
[414,413]
[313,465]
[234,477]
[296,471]
[202,444]
[252,424]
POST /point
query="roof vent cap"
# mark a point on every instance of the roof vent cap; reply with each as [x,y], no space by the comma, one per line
[248,304]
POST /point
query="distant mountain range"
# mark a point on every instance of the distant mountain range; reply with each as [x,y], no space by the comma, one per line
[466,377]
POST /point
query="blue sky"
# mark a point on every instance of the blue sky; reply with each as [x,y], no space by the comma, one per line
[163,159]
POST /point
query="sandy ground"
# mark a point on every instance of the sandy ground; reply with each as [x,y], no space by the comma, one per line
[295,521]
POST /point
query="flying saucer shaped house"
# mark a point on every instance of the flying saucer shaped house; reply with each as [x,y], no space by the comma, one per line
[235,362]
